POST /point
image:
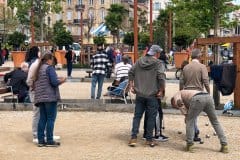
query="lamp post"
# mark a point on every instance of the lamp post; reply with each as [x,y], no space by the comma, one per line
[150,25]
[81,9]
[135,30]
[32,27]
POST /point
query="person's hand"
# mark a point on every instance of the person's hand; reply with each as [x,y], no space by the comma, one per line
[161,93]
[62,79]
[132,90]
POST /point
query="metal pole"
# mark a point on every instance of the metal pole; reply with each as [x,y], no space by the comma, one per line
[32,26]
[170,32]
[135,30]
[151,25]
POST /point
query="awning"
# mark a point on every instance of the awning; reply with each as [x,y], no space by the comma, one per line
[226,45]
[100,30]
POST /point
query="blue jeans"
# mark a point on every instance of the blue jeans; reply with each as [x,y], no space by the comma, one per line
[69,68]
[150,105]
[97,78]
[48,113]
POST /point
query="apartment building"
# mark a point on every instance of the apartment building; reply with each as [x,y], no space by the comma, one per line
[93,14]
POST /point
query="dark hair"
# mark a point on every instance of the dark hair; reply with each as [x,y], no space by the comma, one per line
[32,54]
[43,60]
[184,63]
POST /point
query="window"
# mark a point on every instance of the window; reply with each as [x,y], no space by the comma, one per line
[156,6]
[91,13]
[102,14]
[80,2]
[69,15]
[90,2]
[78,15]
[69,2]
[69,28]
[101,1]
[58,17]
[114,1]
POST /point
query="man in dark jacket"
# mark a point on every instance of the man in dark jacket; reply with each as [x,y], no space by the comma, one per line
[147,80]
[17,79]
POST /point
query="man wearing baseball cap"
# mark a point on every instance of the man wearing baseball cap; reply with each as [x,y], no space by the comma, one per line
[147,81]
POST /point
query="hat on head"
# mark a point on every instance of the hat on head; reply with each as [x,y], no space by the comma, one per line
[196,53]
[154,49]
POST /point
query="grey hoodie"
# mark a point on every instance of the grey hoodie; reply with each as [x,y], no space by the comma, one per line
[148,76]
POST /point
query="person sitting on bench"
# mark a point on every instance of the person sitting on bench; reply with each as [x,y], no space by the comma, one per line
[17,80]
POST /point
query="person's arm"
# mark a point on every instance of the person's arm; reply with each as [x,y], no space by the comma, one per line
[205,79]
[161,80]
[7,76]
[53,76]
[131,75]
[182,107]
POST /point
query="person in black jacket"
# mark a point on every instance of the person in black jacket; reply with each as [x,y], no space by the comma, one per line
[69,57]
[17,79]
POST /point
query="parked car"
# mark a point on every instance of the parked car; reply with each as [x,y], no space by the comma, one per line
[77,50]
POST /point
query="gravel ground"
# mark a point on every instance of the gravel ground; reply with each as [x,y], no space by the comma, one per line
[104,136]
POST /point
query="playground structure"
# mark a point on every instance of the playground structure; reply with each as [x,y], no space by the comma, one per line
[204,42]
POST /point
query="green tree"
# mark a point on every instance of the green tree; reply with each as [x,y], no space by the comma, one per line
[16,39]
[129,39]
[61,37]
[114,20]
[199,16]
[99,40]
[40,7]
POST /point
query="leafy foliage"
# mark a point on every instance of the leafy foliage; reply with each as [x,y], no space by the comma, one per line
[99,40]
[16,39]
[115,18]
[60,36]
[129,38]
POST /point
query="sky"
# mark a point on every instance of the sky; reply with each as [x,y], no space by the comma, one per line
[236,2]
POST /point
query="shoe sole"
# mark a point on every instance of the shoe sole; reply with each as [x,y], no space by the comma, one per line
[162,140]
[48,145]
[132,144]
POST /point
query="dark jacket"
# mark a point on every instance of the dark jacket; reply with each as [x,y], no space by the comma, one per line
[17,79]
[148,76]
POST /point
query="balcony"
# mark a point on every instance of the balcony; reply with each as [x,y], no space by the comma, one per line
[78,21]
[80,7]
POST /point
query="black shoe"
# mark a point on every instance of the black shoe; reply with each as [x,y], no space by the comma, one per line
[196,139]
[41,144]
[53,144]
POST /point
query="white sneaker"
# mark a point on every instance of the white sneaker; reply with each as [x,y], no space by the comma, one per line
[161,139]
[55,138]
[35,140]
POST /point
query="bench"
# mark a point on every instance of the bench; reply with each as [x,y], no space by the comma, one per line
[89,73]
[8,95]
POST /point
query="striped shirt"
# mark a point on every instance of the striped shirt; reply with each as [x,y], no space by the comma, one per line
[121,70]
[100,63]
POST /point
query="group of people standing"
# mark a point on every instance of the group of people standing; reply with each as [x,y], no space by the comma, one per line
[147,81]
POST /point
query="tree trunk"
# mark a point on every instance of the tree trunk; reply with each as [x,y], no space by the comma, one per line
[216,95]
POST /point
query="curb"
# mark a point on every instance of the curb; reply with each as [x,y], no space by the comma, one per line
[99,106]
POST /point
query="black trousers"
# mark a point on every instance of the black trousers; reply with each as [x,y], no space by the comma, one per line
[158,122]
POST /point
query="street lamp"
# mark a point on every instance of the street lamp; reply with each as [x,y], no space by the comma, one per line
[135,30]
[81,9]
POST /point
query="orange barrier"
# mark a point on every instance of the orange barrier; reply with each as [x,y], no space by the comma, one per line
[18,57]
[131,55]
[179,57]
[60,55]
